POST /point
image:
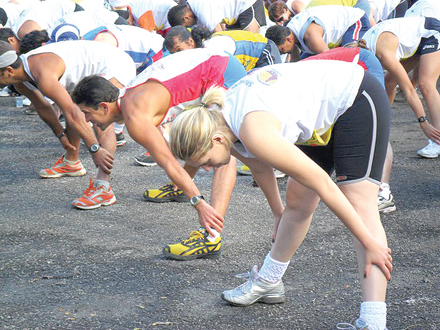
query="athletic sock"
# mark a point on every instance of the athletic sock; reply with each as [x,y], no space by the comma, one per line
[71,162]
[213,238]
[385,191]
[272,270]
[374,313]
[118,128]
[102,183]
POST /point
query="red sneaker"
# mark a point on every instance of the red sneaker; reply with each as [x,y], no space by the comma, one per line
[61,168]
[93,197]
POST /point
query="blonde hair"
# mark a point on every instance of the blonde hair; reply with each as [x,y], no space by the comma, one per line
[192,131]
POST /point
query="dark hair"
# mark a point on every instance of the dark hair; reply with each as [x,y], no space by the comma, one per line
[94,89]
[176,13]
[3,17]
[199,34]
[33,40]
[5,34]
[276,10]
[277,34]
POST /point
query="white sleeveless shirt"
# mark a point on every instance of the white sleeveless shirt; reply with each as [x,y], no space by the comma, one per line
[334,20]
[306,97]
[84,58]
[409,31]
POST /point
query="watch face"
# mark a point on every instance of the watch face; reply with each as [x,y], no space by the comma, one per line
[94,147]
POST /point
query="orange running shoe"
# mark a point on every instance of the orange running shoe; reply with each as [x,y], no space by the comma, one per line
[93,197]
[61,168]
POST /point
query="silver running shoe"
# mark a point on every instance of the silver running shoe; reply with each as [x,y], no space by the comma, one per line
[358,325]
[386,205]
[255,290]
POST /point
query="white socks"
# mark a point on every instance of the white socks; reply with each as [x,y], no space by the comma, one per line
[102,183]
[272,270]
[118,128]
[384,190]
[374,313]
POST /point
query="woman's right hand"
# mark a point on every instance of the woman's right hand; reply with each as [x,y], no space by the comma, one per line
[431,132]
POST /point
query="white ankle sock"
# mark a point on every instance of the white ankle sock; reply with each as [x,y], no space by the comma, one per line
[118,128]
[272,270]
[102,183]
[213,238]
[385,190]
[374,313]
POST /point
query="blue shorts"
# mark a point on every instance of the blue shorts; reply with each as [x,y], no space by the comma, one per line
[356,31]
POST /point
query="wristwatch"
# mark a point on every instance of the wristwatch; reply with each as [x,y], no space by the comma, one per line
[194,201]
[94,148]
[422,119]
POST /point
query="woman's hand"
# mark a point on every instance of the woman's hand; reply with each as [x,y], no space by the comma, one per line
[379,255]
[431,132]
[209,218]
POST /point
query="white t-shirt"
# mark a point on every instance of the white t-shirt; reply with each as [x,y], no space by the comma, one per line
[45,13]
[159,8]
[84,58]
[140,44]
[212,12]
[221,42]
[409,31]
[381,9]
[13,11]
[86,21]
[305,96]
[426,8]
[335,21]
[289,4]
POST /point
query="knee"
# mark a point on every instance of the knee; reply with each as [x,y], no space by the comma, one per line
[427,87]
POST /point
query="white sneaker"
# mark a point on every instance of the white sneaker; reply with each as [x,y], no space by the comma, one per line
[432,150]
[386,205]
[5,92]
[26,102]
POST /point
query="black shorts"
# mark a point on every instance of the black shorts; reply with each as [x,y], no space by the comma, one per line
[270,55]
[359,141]
[431,44]
[245,18]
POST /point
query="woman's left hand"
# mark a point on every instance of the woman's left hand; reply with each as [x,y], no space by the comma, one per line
[379,255]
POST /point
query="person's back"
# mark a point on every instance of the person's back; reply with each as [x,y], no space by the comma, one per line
[83,58]
[86,21]
[151,14]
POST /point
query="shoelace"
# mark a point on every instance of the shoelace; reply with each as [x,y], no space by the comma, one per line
[195,235]
[59,161]
[345,326]
[90,190]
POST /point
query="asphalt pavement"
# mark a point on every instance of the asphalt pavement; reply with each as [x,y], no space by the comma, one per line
[62,268]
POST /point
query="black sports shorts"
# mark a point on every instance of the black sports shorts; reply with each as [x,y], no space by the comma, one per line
[359,141]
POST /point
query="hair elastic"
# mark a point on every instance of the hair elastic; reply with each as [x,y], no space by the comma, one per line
[7,58]
[204,105]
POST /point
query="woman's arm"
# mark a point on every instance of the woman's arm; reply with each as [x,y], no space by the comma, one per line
[386,52]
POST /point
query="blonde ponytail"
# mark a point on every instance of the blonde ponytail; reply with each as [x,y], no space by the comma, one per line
[191,131]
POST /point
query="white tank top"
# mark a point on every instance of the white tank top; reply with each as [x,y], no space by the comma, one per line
[335,21]
[45,13]
[86,21]
[307,97]
[427,8]
[409,31]
[84,58]
[212,12]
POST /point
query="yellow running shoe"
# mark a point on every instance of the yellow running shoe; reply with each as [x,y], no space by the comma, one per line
[197,246]
[165,194]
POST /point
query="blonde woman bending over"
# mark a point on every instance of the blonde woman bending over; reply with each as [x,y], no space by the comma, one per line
[341,115]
